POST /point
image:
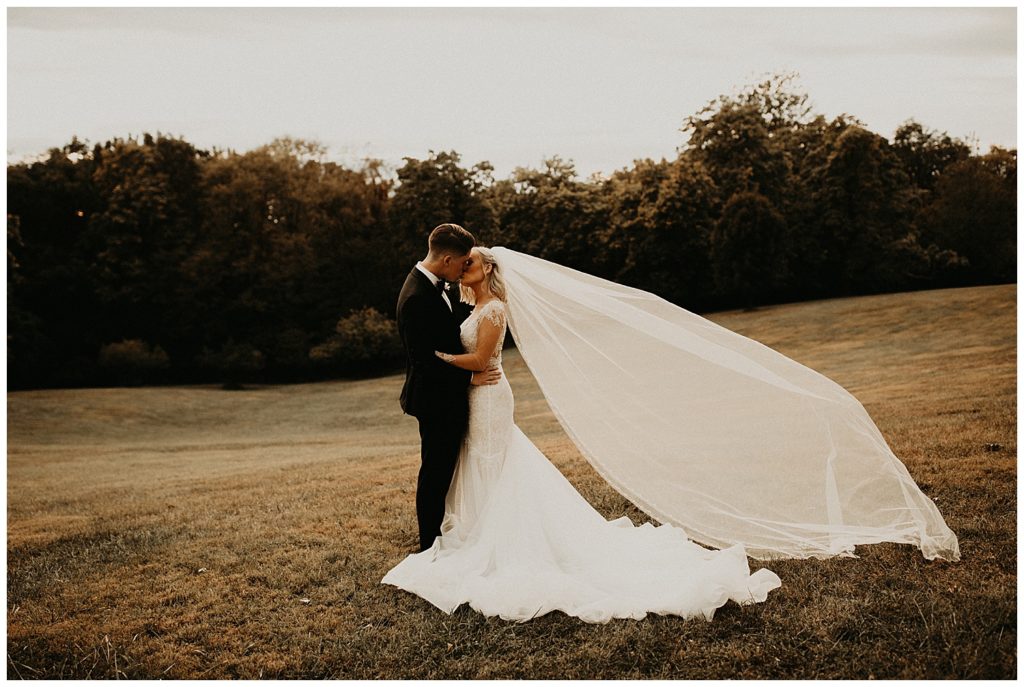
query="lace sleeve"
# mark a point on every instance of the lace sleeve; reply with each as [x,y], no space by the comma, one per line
[494,311]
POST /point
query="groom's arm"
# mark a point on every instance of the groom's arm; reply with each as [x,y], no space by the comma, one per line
[421,346]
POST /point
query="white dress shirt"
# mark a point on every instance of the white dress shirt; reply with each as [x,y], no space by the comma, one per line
[433,280]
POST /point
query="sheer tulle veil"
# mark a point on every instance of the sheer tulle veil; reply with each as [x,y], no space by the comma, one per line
[709,430]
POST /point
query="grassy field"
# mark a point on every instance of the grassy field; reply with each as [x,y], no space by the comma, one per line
[190,532]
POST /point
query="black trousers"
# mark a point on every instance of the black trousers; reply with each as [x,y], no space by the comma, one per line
[440,440]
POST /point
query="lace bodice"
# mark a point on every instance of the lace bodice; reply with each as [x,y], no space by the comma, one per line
[494,311]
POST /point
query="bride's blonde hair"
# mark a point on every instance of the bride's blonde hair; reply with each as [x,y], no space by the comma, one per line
[495,282]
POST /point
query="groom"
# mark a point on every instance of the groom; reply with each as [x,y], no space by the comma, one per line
[435,393]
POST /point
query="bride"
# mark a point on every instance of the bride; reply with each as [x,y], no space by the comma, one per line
[722,439]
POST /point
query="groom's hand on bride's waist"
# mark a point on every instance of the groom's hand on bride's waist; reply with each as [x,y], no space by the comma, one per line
[491,375]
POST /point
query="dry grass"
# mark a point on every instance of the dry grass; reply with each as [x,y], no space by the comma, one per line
[189,532]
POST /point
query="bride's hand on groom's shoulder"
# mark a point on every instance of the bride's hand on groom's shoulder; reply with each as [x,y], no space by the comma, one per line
[491,375]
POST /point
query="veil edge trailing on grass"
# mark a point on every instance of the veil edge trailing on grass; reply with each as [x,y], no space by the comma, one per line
[708,430]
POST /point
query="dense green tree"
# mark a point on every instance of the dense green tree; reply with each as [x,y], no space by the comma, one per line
[809,146]
[662,217]
[550,213]
[431,192]
[748,249]
[1002,163]
[925,153]
[52,311]
[743,140]
[865,203]
[289,242]
[974,213]
[29,349]
[631,193]
[145,227]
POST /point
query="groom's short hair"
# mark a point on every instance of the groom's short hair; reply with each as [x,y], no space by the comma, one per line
[450,239]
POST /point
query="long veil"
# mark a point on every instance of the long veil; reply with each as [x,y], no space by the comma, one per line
[709,430]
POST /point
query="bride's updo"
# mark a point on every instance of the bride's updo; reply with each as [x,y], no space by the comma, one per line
[492,277]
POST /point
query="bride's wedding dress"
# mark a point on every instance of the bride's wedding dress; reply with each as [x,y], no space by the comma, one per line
[518,541]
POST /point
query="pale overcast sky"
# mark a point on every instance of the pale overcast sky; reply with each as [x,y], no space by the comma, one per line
[600,86]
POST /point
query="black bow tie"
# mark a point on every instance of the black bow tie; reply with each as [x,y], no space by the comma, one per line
[440,285]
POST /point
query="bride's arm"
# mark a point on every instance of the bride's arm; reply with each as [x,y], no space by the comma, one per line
[487,335]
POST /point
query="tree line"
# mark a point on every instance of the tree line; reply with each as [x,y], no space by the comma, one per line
[149,260]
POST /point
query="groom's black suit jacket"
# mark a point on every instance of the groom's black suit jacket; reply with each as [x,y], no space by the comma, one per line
[425,323]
